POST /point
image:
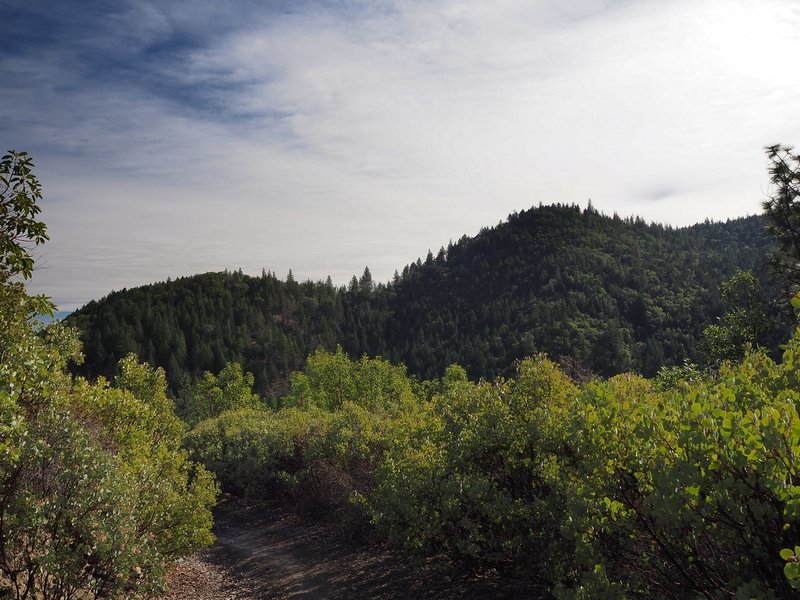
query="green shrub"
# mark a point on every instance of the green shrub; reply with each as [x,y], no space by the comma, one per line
[685,487]
[691,492]
[322,448]
[211,395]
[331,379]
[95,492]
[257,453]
[478,474]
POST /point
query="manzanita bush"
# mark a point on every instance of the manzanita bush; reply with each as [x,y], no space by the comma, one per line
[96,494]
[615,489]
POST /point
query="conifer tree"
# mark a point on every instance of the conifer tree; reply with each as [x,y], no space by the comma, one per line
[782,209]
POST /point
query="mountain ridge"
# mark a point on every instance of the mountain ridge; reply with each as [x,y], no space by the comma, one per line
[614,294]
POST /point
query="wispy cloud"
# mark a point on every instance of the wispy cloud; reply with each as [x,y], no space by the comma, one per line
[179,137]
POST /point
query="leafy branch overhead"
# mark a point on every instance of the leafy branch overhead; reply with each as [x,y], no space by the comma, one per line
[19,228]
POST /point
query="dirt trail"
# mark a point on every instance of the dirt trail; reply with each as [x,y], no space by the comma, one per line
[269,553]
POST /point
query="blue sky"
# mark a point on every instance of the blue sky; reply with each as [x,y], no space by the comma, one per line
[180,137]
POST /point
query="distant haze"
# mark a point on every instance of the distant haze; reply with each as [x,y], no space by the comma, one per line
[180,137]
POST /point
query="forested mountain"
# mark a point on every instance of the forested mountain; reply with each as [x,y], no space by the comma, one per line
[613,294]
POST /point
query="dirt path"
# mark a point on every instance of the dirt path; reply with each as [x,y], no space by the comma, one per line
[268,553]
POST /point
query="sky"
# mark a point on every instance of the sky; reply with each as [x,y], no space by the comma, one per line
[173,138]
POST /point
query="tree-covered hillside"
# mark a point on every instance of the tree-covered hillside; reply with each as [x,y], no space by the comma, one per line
[613,294]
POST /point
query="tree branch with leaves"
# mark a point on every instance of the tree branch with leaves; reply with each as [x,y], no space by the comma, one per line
[19,228]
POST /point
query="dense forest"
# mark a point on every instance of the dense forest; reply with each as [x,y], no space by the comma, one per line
[611,294]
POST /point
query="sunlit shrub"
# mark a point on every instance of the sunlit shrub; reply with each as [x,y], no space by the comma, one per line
[692,492]
[479,473]
[95,493]
[255,452]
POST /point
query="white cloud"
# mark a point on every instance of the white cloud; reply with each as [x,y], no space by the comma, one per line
[324,141]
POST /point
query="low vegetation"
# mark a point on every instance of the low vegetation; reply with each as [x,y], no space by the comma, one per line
[614,488]
[96,493]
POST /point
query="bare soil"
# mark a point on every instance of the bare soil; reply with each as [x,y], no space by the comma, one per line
[271,553]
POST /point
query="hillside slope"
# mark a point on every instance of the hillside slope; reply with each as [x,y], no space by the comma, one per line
[613,294]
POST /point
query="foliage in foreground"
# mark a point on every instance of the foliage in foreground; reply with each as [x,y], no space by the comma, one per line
[321,450]
[96,494]
[617,488]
